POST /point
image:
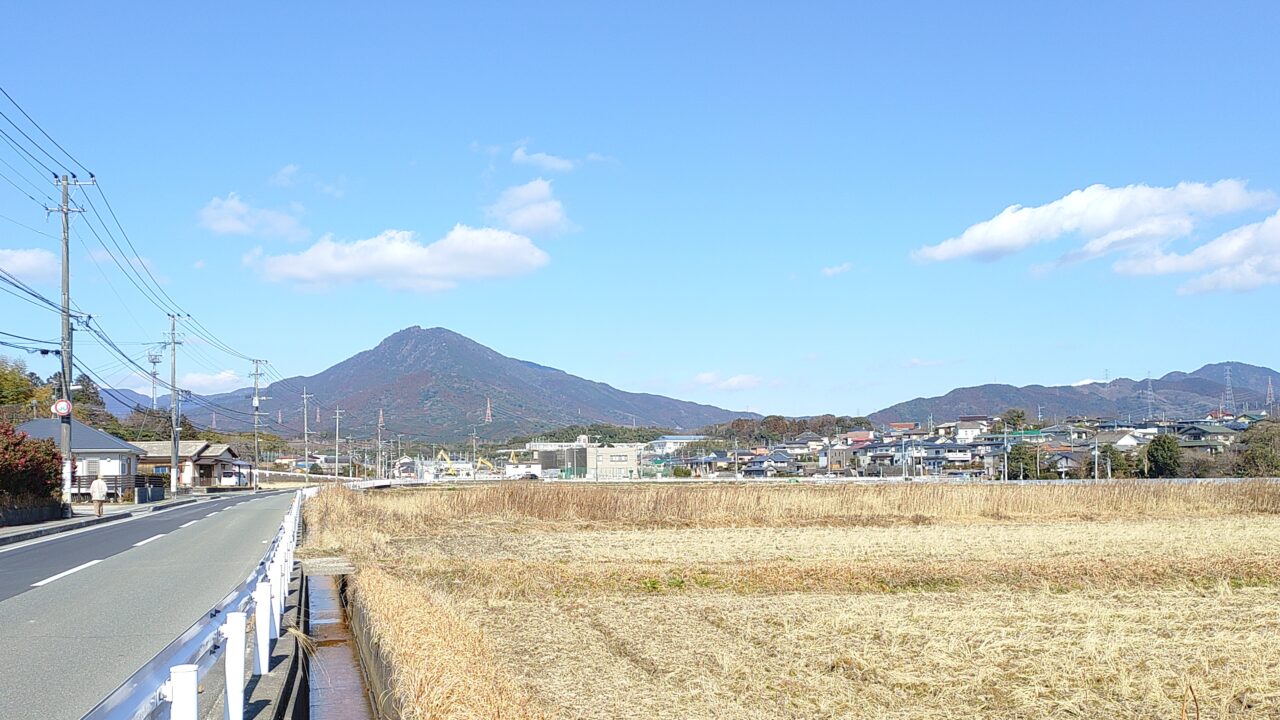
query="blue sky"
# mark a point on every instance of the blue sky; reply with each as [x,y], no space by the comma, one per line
[794,209]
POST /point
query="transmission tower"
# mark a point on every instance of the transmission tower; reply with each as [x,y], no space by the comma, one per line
[488,411]
[1231,396]
[1151,397]
[1271,396]
[154,357]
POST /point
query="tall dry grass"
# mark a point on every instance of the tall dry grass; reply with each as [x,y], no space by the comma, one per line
[741,601]
[442,664]
[790,505]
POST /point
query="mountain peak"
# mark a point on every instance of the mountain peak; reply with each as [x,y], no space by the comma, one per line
[438,384]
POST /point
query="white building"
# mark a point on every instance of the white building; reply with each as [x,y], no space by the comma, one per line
[614,462]
[515,471]
[668,444]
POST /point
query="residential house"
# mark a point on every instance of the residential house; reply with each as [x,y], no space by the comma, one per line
[95,453]
[1205,447]
[1205,431]
[1123,440]
[200,463]
[968,430]
[854,437]
[843,459]
[1069,463]
[1066,432]
[775,463]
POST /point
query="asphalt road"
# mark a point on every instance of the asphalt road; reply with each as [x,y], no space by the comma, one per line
[81,611]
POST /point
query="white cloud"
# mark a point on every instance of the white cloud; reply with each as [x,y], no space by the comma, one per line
[396,259]
[286,176]
[1086,381]
[198,265]
[920,362]
[597,157]
[837,269]
[233,216]
[737,382]
[530,208]
[1241,259]
[1108,219]
[208,383]
[31,265]
[550,163]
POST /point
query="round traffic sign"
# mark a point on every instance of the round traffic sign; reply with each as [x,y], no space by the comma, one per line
[61,408]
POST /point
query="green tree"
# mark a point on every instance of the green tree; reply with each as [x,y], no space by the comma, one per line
[1164,457]
[1023,463]
[1109,456]
[774,427]
[1261,454]
[1014,418]
[16,387]
[29,469]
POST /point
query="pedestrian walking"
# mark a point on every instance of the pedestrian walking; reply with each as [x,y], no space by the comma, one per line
[98,493]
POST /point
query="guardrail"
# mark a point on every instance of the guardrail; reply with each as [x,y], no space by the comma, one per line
[168,685]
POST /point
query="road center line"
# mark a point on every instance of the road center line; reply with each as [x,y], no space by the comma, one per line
[215,512]
[144,542]
[65,573]
[188,524]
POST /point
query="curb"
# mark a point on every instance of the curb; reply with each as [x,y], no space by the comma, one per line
[87,522]
[41,532]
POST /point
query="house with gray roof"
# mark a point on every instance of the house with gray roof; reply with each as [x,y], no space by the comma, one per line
[200,463]
[94,452]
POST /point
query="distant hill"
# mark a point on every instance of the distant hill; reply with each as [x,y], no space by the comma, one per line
[121,402]
[434,383]
[1177,394]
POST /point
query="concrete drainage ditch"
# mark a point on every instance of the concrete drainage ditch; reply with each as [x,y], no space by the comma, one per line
[348,675]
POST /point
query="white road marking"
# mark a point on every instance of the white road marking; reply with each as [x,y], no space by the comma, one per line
[188,524]
[144,542]
[65,573]
[215,512]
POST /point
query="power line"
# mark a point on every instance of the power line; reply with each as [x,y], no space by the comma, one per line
[42,132]
[23,151]
[28,227]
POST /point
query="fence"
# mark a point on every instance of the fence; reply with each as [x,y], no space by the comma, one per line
[169,684]
[117,486]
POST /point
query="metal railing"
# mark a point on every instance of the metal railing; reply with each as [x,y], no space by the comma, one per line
[168,685]
[116,484]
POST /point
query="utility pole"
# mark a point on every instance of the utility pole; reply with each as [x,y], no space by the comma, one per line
[306,431]
[1095,455]
[257,418]
[337,439]
[69,469]
[379,454]
[176,430]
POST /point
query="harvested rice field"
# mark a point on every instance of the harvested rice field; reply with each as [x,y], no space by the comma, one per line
[732,601]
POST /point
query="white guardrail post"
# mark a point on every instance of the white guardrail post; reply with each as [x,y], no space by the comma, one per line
[273,600]
[184,690]
[261,628]
[233,665]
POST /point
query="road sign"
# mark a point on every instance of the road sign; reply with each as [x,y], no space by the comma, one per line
[61,408]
